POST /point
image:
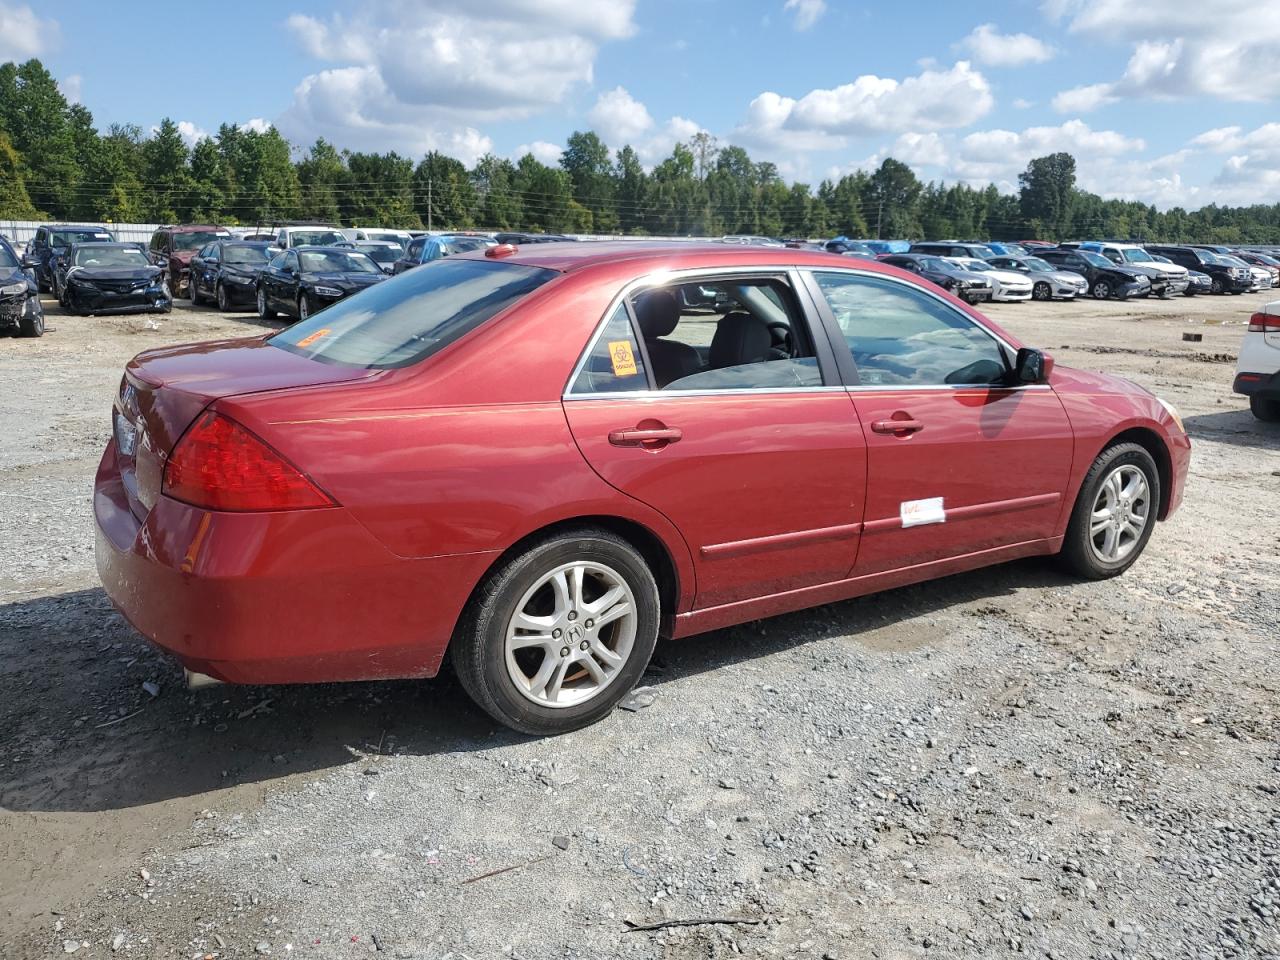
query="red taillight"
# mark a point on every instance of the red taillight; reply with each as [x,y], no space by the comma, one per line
[219,465]
[1264,323]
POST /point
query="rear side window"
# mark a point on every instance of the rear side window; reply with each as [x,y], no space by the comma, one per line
[407,319]
[614,364]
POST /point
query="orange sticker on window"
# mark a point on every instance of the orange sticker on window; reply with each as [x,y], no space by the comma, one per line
[624,360]
[309,340]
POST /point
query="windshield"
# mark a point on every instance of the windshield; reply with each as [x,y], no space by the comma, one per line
[976,266]
[1231,261]
[1035,263]
[7,259]
[980,251]
[315,238]
[65,238]
[380,252]
[1137,256]
[111,257]
[196,240]
[1097,259]
[462,245]
[386,237]
[337,261]
[238,253]
[409,318]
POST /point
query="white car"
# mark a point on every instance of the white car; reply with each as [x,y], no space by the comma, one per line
[384,234]
[1005,284]
[1258,369]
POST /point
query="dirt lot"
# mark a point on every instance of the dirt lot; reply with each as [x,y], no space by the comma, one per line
[1000,763]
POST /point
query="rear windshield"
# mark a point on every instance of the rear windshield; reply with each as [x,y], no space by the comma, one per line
[243,253]
[196,240]
[412,316]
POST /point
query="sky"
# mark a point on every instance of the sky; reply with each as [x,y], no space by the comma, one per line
[1171,102]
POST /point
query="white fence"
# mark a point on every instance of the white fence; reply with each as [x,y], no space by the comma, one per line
[22,231]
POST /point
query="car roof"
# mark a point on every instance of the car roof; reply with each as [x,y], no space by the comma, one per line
[646,256]
[192,227]
[327,247]
[113,243]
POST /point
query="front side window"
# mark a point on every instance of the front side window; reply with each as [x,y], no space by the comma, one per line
[423,311]
[415,248]
[337,261]
[291,261]
[900,336]
[744,334]
[614,364]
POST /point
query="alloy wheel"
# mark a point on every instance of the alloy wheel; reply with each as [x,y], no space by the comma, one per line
[223,305]
[1041,291]
[1101,290]
[1120,513]
[262,304]
[303,310]
[571,634]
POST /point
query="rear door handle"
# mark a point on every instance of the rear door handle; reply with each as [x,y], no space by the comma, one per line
[645,436]
[905,425]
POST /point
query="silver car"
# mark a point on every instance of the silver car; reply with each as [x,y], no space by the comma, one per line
[1047,281]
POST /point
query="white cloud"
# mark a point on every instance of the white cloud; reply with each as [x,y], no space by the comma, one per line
[995,49]
[190,133]
[543,152]
[256,124]
[1084,99]
[935,99]
[72,87]
[419,75]
[1023,104]
[619,117]
[920,149]
[805,13]
[658,146]
[23,34]
[1180,48]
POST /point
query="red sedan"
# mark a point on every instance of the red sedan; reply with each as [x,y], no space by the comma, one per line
[543,459]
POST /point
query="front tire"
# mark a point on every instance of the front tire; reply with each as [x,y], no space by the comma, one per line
[1041,291]
[32,326]
[264,311]
[1101,290]
[1215,286]
[1266,409]
[220,294]
[557,635]
[304,306]
[1114,514]
[193,293]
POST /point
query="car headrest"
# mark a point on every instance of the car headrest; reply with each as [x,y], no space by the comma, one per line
[740,338]
[658,312]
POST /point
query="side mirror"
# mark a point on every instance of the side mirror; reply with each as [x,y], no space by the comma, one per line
[29,264]
[1031,366]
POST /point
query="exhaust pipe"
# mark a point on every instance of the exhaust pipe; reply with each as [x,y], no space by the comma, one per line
[197,681]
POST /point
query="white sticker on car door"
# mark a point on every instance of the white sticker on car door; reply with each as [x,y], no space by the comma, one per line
[916,513]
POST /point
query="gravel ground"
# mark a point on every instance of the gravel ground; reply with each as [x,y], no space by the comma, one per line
[999,763]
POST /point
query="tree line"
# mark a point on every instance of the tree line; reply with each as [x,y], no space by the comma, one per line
[55,164]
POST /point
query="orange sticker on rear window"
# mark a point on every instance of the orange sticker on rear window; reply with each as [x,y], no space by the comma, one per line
[623,358]
[309,340]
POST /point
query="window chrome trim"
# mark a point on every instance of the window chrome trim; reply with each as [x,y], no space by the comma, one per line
[662,278]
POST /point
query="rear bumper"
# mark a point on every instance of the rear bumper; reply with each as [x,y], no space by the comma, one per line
[1253,384]
[292,597]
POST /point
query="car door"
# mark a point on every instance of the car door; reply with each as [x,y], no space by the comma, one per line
[287,281]
[272,278]
[958,462]
[759,463]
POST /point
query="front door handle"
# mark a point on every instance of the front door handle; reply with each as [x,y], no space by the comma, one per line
[644,436]
[897,425]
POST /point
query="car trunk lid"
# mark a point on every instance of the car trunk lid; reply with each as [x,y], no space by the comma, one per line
[163,391]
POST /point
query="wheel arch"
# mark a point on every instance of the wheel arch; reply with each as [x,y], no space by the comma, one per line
[657,555]
[1149,440]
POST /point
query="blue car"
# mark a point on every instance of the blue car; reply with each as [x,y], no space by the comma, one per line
[51,243]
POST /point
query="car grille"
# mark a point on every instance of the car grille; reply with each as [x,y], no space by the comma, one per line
[119,286]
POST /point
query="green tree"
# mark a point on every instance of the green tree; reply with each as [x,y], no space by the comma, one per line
[111,187]
[15,203]
[381,191]
[322,177]
[165,170]
[500,206]
[586,161]
[1047,191]
[443,193]
[547,197]
[892,194]
[632,189]
[37,119]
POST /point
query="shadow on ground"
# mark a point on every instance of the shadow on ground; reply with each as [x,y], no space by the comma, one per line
[1239,427]
[80,733]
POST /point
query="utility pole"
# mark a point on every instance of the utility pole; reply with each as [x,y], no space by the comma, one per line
[428,203]
[879,214]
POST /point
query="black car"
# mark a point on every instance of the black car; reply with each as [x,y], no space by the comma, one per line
[113,278]
[1106,279]
[227,271]
[425,249]
[20,310]
[50,244]
[300,281]
[519,238]
[1223,277]
[968,286]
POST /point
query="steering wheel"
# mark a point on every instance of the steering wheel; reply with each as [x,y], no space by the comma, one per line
[782,340]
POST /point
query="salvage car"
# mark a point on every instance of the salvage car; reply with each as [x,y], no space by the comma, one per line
[954,248]
[172,247]
[384,253]
[103,278]
[1007,285]
[1261,277]
[303,280]
[227,272]
[425,249]
[1224,278]
[310,235]
[969,286]
[1167,279]
[20,310]
[1047,281]
[421,468]
[1262,260]
[1105,279]
[50,245]
[1258,368]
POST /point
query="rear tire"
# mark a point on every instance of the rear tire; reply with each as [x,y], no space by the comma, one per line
[501,674]
[264,311]
[1114,513]
[1266,409]
[1215,286]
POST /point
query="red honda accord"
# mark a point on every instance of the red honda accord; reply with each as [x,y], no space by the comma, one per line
[543,459]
